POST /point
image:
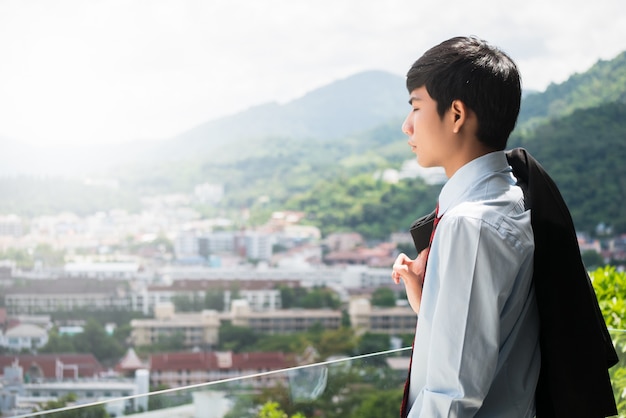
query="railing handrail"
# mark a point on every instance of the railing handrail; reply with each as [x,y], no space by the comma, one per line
[212,383]
[228,380]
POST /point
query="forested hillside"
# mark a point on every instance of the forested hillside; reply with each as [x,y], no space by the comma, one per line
[605,82]
[585,153]
[326,167]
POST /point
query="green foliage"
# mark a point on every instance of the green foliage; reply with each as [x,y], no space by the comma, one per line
[211,299]
[341,341]
[316,298]
[604,82]
[363,204]
[186,303]
[97,411]
[576,129]
[58,343]
[380,404]
[214,299]
[610,288]
[93,340]
[235,338]
[592,259]
[287,343]
[351,391]
[167,400]
[584,154]
[372,343]
[272,410]
[383,297]
[96,341]
[319,298]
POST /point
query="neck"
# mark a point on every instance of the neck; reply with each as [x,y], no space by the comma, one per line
[467,154]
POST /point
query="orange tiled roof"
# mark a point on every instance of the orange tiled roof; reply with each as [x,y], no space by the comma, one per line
[87,364]
[219,361]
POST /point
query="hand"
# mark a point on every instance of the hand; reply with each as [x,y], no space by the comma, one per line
[411,272]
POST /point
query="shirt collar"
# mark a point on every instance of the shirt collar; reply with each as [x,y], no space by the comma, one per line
[468,176]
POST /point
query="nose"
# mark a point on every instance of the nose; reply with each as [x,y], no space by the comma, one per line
[407,126]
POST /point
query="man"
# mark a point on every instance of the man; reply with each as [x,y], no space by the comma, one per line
[477,343]
[476,350]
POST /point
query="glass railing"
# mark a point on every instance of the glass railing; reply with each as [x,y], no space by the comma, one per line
[363,386]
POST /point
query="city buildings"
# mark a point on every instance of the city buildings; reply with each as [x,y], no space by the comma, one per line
[188,368]
[28,381]
[23,337]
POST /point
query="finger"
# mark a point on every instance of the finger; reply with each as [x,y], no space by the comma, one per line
[402,259]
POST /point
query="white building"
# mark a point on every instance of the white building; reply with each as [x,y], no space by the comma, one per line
[186,244]
[107,270]
[19,397]
[24,336]
[39,296]
[259,245]
[220,242]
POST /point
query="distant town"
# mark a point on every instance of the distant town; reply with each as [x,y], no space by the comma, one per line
[164,264]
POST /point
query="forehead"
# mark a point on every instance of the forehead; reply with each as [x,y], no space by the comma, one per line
[419,94]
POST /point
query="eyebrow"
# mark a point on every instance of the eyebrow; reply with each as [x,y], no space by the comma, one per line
[414,98]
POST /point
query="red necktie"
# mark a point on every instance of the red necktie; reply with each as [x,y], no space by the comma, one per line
[405,397]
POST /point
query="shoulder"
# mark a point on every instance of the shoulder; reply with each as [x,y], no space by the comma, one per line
[492,222]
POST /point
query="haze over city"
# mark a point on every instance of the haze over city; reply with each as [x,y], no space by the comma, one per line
[90,72]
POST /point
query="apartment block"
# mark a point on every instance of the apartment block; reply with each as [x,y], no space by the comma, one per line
[395,320]
[283,321]
[67,294]
[188,368]
[197,329]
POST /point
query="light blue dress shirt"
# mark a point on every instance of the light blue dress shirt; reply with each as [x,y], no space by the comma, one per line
[476,350]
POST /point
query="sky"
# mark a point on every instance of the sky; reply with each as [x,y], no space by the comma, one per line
[104,71]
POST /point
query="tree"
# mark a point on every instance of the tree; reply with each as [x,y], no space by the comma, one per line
[58,343]
[272,410]
[96,411]
[236,338]
[372,343]
[610,288]
[320,298]
[170,342]
[214,299]
[592,259]
[186,303]
[96,341]
[383,296]
[288,295]
[379,404]
[336,341]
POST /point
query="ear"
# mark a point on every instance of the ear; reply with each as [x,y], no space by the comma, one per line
[458,114]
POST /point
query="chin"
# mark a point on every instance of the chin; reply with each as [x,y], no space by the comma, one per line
[423,163]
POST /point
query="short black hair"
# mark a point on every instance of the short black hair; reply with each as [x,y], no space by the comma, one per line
[482,76]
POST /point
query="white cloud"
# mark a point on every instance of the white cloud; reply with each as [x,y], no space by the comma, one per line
[88,70]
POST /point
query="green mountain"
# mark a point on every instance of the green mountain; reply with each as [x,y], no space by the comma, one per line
[318,154]
[584,152]
[603,82]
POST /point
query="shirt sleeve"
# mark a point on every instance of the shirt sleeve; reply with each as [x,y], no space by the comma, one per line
[471,270]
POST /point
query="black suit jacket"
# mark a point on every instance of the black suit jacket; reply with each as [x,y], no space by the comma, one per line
[576,349]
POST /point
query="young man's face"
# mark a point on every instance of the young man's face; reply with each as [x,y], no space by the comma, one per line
[428,133]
